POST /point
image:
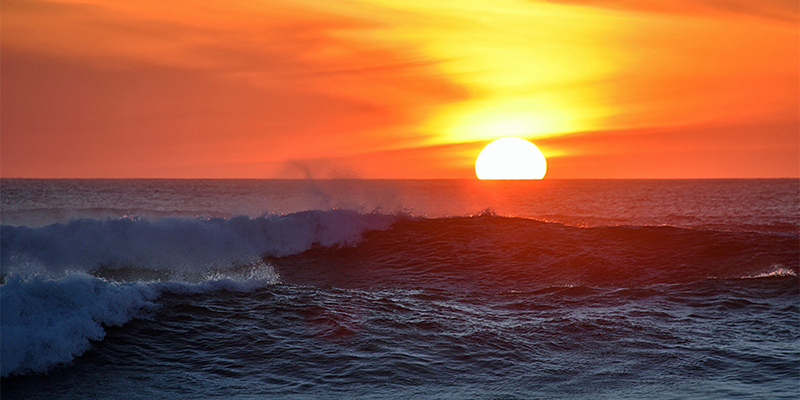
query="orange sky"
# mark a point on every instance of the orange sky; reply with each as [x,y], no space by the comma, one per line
[397,89]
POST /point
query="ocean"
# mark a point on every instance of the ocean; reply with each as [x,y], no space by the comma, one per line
[408,289]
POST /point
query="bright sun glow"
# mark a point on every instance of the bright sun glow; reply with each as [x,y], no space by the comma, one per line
[510,158]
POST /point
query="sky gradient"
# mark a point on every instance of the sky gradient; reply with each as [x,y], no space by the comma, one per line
[397,89]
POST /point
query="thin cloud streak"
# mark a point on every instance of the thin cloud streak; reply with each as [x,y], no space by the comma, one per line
[787,11]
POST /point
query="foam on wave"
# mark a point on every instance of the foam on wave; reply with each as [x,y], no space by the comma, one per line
[62,284]
[178,243]
[48,321]
[777,271]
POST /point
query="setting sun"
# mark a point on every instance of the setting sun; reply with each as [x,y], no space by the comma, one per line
[510,158]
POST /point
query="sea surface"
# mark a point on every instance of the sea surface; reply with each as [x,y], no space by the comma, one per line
[408,289]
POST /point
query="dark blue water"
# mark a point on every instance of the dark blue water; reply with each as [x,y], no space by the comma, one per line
[342,303]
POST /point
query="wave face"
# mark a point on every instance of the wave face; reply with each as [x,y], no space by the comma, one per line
[499,253]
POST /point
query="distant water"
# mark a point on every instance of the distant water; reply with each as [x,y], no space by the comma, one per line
[184,289]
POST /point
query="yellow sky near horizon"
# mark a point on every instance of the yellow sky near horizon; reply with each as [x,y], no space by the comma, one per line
[388,89]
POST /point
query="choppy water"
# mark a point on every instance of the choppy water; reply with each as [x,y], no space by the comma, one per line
[400,289]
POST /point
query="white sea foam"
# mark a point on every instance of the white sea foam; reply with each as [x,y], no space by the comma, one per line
[178,244]
[778,271]
[47,321]
[56,298]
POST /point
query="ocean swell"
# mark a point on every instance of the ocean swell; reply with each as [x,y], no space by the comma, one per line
[495,253]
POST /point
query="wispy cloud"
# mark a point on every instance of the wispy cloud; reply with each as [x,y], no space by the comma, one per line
[783,10]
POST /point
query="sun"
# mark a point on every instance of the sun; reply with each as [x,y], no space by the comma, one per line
[510,158]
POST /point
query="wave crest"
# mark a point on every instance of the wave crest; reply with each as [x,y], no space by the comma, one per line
[178,243]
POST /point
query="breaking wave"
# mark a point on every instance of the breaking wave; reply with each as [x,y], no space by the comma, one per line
[63,284]
[176,243]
